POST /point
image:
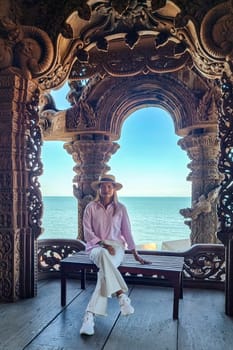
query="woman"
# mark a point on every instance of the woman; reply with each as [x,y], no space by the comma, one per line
[107,232]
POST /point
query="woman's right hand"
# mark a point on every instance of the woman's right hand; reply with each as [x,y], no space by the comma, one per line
[109,248]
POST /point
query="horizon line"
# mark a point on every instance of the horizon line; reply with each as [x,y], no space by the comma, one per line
[131,196]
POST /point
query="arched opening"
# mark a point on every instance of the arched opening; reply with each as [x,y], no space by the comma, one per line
[151,166]
[153,170]
[94,126]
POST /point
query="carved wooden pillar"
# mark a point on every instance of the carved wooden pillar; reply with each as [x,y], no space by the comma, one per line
[203,150]
[91,154]
[225,208]
[20,202]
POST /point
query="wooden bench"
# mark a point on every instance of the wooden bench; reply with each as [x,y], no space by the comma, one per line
[168,267]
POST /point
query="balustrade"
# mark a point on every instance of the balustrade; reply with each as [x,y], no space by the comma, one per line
[204,265]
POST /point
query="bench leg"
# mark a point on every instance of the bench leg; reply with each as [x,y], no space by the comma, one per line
[181,285]
[83,279]
[63,289]
[176,302]
[178,294]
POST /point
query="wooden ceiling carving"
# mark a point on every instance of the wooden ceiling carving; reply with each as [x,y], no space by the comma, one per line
[79,40]
[120,97]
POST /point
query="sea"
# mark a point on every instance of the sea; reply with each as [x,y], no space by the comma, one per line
[154,220]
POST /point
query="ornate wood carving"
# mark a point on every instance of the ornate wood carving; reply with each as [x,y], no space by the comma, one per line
[29,50]
[91,154]
[126,94]
[205,262]
[225,232]
[16,253]
[144,59]
[34,165]
[51,252]
[203,149]
[52,121]
[215,31]
[151,36]
[11,146]
[81,115]
[225,208]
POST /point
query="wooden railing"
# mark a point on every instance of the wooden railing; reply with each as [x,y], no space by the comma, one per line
[52,251]
[204,263]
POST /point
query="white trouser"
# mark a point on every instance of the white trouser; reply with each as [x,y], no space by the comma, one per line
[109,279]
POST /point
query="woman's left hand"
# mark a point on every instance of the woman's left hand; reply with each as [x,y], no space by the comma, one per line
[140,259]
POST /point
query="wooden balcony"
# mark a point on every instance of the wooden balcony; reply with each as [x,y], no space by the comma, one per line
[41,323]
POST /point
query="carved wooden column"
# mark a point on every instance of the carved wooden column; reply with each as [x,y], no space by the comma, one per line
[20,202]
[225,208]
[203,150]
[91,154]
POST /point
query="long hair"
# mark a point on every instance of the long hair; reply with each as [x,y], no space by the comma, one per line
[115,200]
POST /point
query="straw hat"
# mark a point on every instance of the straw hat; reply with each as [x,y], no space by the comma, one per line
[106,178]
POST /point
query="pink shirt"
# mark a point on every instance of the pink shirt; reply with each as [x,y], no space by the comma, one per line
[100,224]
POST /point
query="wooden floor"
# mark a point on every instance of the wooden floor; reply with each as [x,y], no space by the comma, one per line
[42,324]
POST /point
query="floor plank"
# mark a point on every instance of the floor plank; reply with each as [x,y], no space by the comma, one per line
[151,326]
[140,330]
[40,323]
[20,322]
[203,323]
[63,333]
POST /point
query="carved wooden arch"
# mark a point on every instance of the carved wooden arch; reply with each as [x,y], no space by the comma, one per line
[119,97]
[165,36]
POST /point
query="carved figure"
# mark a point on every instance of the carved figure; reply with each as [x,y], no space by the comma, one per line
[46,102]
[75,92]
[73,96]
[27,56]
[221,34]
[81,114]
[47,110]
[202,206]
[28,49]
[10,30]
[207,109]
[6,56]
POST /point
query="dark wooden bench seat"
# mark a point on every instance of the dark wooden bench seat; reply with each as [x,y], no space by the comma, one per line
[168,267]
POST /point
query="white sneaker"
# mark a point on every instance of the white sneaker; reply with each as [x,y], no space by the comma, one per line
[125,305]
[88,324]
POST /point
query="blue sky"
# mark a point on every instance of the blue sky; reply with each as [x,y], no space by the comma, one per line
[148,163]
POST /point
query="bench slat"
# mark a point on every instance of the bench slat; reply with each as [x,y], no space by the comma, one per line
[164,263]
